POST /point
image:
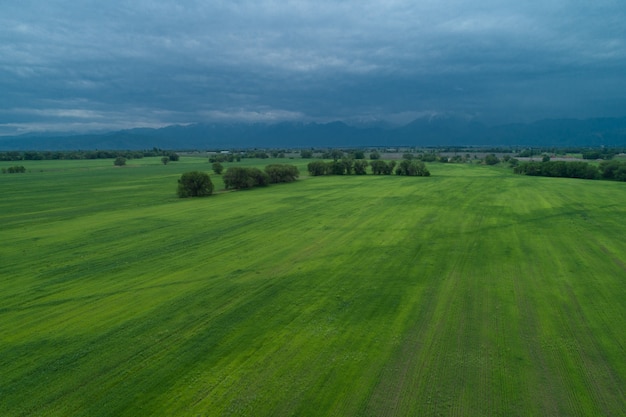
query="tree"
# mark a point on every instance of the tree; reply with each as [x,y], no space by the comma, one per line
[336,167]
[217,168]
[613,170]
[17,169]
[360,167]
[194,184]
[374,155]
[242,178]
[491,159]
[306,154]
[317,168]
[119,161]
[165,160]
[173,156]
[380,167]
[281,173]
[412,168]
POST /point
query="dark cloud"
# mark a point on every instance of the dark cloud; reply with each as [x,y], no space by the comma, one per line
[104,65]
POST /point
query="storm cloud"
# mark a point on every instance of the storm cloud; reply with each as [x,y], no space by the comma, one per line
[94,65]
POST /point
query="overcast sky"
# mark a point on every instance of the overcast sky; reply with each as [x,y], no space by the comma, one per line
[88,65]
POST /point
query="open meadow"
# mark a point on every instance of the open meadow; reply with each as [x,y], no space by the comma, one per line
[473,292]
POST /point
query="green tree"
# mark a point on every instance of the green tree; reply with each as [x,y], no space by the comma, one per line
[119,161]
[317,168]
[241,178]
[412,168]
[360,167]
[165,160]
[336,167]
[491,159]
[380,167]
[281,173]
[16,169]
[374,155]
[306,154]
[194,184]
[217,168]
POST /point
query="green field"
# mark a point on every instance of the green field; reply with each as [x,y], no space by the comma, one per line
[473,292]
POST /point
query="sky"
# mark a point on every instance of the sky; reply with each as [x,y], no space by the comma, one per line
[106,65]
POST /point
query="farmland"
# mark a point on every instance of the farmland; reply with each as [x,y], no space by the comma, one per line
[473,292]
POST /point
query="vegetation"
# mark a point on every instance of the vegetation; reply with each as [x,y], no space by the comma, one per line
[16,169]
[380,167]
[73,155]
[119,161]
[245,177]
[317,168]
[613,170]
[278,173]
[194,184]
[475,293]
[491,159]
[610,170]
[217,167]
[412,168]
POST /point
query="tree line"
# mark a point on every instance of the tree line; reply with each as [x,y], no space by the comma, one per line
[93,154]
[607,170]
[198,184]
[16,169]
[349,166]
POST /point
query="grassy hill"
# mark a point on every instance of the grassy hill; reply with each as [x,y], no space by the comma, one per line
[472,292]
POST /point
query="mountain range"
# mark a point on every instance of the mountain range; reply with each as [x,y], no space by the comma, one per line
[426,132]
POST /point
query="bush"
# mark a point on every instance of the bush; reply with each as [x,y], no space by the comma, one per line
[194,184]
[119,161]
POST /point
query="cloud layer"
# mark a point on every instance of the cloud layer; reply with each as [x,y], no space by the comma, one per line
[105,65]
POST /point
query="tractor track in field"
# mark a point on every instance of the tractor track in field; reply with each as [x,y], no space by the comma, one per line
[591,377]
[528,324]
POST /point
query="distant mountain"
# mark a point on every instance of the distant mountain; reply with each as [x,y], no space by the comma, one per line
[431,131]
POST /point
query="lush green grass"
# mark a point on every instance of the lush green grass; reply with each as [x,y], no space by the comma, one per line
[471,292]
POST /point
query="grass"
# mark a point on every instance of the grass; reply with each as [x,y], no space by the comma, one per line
[471,292]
